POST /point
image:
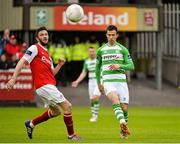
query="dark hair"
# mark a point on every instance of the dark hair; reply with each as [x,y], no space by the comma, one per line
[91,47]
[40,29]
[111,27]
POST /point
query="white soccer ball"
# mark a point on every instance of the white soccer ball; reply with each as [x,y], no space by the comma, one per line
[74,13]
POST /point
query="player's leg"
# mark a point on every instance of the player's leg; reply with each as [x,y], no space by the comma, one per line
[94,94]
[53,111]
[49,94]
[124,99]
[67,109]
[112,94]
[94,108]
[124,107]
[30,124]
[119,113]
[113,97]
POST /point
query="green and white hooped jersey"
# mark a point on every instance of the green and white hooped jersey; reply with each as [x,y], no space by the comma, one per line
[116,54]
[89,66]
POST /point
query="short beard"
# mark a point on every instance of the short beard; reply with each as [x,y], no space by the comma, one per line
[42,43]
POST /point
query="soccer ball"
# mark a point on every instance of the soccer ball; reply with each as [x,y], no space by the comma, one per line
[74,13]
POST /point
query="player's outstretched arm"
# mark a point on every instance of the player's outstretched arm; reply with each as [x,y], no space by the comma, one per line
[61,62]
[79,79]
[17,70]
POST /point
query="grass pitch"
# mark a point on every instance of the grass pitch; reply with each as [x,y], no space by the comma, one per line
[147,125]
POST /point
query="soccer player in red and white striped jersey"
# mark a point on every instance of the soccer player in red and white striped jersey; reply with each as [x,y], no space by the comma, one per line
[44,83]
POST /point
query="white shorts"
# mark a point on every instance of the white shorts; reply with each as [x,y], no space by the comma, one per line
[93,88]
[50,95]
[120,87]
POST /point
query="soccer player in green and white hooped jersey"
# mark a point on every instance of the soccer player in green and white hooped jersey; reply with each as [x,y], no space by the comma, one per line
[113,60]
[94,93]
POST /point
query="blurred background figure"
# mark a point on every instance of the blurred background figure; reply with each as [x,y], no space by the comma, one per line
[12,48]
[94,93]
[93,42]
[7,64]
[59,51]
[78,55]
[4,41]
[23,48]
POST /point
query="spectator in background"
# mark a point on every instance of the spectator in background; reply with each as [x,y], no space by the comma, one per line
[92,42]
[60,52]
[4,41]
[5,64]
[20,54]
[78,51]
[12,48]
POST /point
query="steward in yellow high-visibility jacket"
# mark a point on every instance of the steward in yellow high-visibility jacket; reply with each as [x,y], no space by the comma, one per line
[58,53]
[78,52]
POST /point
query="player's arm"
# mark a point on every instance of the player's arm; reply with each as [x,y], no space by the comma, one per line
[81,76]
[128,63]
[79,79]
[98,72]
[61,62]
[98,67]
[17,71]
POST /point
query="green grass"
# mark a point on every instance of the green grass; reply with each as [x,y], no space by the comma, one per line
[147,125]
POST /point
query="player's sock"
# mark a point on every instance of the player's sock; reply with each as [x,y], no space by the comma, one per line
[69,123]
[92,107]
[44,117]
[96,107]
[126,116]
[119,113]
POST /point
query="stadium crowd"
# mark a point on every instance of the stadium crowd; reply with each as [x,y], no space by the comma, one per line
[10,50]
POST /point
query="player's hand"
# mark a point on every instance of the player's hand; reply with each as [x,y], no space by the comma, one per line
[74,84]
[61,61]
[10,84]
[114,67]
[101,89]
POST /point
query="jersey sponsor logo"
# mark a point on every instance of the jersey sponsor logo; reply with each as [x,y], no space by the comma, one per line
[28,52]
[44,59]
[92,64]
[111,57]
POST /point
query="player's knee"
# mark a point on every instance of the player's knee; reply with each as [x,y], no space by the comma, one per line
[68,108]
[94,99]
[113,97]
[124,107]
[55,112]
